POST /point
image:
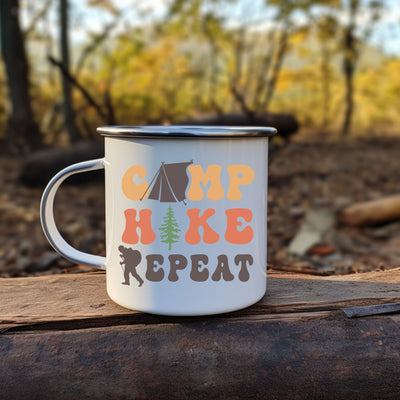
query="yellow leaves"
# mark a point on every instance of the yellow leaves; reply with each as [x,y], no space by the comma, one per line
[106,5]
[392,67]
[150,85]
[303,52]
[315,95]
[331,3]
[299,36]
[154,75]
[286,79]
[300,41]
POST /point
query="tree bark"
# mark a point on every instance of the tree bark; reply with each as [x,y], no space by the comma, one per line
[63,338]
[349,65]
[21,126]
[325,84]
[69,114]
[348,69]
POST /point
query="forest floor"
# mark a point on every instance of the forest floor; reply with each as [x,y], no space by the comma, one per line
[306,176]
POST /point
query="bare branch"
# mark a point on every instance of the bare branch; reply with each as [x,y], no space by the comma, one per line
[264,71]
[241,101]
[109,107]
[84,92]
[213,82]
[36,18]
[275,69]
[91,47]
[239,55]
[238,94]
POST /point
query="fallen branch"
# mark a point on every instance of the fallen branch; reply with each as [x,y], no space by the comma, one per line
[301,269]
[372,212]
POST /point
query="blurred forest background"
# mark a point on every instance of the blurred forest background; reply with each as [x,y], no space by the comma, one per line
[332,66]
[70,66]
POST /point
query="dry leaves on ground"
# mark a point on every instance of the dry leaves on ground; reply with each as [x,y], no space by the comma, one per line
[304,175]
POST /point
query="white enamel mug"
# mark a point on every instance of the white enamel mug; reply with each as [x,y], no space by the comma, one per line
[186,217]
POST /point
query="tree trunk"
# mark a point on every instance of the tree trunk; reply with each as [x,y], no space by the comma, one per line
[21,127]
[348,70]
[68,111]
[325,85]
[275,68]
[349,65]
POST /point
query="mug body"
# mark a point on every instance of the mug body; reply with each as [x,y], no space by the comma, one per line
[186,222]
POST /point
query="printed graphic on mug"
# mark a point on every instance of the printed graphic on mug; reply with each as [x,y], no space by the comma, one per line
[182,186]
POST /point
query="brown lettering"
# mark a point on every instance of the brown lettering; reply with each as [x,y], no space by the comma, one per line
[196,274]
[243,259]
[177,261]
[222,269]
[152,274]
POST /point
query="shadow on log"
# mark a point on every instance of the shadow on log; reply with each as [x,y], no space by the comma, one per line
[41,166]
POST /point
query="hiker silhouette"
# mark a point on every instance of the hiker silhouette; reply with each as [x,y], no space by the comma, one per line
[130,260]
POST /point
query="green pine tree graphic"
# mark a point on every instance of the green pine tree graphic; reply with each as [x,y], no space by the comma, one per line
[169,229]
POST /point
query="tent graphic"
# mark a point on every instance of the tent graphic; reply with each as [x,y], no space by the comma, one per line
[169,183]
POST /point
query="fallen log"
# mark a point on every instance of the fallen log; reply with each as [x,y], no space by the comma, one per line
[62,337]
[42,165]
[286,124]
[372,212]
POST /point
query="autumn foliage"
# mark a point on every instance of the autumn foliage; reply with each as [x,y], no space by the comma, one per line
[312,59]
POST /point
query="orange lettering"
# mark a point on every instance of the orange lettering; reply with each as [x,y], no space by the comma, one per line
[192,235]
[239,175]
[232,234]
[213,175]
[132,190]
[130,235]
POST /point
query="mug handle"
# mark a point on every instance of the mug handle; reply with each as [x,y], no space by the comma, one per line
[47,215]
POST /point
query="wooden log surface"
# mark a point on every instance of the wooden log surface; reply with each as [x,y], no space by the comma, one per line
[61,337]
